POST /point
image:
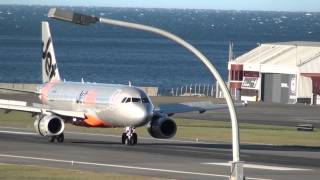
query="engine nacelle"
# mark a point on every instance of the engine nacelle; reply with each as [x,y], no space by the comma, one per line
[49,125]
[162,127]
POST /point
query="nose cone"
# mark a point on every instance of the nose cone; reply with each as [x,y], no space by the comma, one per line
[140,113]
[137,114]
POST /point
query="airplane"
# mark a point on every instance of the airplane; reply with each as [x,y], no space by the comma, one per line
[96,104]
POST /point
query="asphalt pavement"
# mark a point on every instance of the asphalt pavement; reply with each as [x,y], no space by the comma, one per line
[172,159]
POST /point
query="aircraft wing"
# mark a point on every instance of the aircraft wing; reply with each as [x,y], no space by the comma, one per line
[10,105]
[201,107]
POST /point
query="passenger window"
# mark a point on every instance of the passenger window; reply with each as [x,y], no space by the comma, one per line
[128,100]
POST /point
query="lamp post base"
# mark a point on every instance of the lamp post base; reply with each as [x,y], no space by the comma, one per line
[237,170]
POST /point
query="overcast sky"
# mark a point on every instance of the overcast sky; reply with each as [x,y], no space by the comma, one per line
[267,5]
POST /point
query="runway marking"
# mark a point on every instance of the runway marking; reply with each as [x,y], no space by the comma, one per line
[18,132]
[256,166]
[120,166]
[7,127]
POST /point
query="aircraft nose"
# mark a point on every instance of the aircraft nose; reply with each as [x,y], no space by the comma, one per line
[138,113]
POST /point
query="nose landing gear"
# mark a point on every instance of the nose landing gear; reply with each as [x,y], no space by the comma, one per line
[129,137]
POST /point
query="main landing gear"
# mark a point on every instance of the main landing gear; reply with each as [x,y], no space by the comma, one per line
[59,138]
[129,137]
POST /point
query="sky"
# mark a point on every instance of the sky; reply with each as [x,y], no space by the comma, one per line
[265,5]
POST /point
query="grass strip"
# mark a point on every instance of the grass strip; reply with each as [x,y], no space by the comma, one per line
[17,172]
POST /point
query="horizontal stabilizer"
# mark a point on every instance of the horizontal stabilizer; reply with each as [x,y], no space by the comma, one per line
[20,90]
[11,102]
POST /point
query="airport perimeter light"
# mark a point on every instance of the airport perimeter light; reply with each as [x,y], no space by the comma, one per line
[236,165]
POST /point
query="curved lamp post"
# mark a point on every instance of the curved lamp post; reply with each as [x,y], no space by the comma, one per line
[237,165]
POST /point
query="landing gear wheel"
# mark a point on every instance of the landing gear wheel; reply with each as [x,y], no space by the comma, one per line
[135,138]
[51,139]
[129,142]
[124,137]
[60,138]
[129,137]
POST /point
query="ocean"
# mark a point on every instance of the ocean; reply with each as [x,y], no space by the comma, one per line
[108,54]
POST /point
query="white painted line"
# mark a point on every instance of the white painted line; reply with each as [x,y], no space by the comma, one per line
[18,132]
[111,165]
[256,166]
[119,166]
[7,127]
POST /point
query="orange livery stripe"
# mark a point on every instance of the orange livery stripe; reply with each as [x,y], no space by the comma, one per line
[93,121]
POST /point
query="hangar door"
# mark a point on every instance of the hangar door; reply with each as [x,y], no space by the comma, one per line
[277,88]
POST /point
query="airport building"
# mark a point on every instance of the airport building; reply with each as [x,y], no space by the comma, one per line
[285,72]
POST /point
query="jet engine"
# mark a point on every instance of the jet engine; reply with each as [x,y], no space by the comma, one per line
[49,125]
[162,127]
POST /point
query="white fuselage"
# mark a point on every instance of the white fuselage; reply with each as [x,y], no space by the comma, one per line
[104,105]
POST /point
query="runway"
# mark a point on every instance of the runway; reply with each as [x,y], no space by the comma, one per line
[172,159]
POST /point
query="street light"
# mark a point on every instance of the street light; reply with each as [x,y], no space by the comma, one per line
[72,17]
[237,165]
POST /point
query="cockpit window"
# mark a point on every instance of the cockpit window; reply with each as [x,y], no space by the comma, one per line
[145,100]
[135,100]
[138,100]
